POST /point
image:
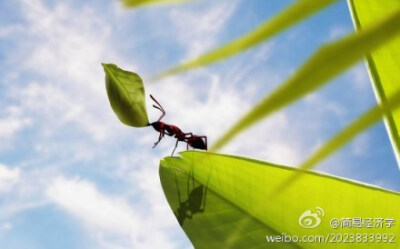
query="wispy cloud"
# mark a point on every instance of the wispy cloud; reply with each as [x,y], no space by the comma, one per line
[65,54]
[337,32]
[109,216]
[82,199]
[10,126]
[359,77]
[8,178]
[199,30]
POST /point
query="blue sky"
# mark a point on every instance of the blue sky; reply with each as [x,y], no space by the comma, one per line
[72,176]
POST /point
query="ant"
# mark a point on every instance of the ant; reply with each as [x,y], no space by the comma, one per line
[191,140]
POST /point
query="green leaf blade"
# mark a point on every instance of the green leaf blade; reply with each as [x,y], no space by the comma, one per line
[126,94]
[239,214]
[383,64]
[325,64]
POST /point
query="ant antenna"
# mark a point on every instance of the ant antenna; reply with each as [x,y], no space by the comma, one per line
[159,107]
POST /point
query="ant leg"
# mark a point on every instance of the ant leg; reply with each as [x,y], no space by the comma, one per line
[205,140]
[176,145]
[159,139]
[186,136]
[159,107]
[162,112]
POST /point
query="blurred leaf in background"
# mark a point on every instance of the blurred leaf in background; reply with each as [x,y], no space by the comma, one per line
[141,3]
[126,94]
[369,118]
[329,61]
[288,17]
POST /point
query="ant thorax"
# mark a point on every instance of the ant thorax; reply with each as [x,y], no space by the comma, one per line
[172,129]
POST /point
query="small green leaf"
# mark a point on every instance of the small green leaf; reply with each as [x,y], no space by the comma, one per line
[288,17]
[126,94]
[384,63]
[222,202]
[325,64]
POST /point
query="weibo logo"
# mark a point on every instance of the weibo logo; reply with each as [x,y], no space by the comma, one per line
[310,219]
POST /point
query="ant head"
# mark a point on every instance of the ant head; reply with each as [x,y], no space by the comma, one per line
[157,125]
[159,107]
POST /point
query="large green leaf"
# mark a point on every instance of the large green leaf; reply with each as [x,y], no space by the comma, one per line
[325,64]
[222,202]
[126,95]
[384,63]
[296,12]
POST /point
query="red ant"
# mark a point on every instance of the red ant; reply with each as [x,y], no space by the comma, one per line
[191,140]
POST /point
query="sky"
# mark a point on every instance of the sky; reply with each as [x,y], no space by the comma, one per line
[72,176]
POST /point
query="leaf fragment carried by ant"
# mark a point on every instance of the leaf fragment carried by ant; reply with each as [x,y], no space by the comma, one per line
[126,94]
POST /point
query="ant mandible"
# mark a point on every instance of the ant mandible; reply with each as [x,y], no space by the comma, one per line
[191,140]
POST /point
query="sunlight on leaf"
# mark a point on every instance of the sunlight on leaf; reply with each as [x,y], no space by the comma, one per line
[325,64]
[384,63]
[221,201]
[126,94]
[368,119]
[288,17]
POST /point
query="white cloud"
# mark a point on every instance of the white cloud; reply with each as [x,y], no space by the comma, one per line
[10,126]
[65,46]
[6,31]
[107,216]
[6,226]
[320,104]
[361,145]
[359,77]
[337,32]
[25,187]
[83,200]
[8,178]
[198,30]
[14,207]
[66,54]
[59,108]
[274,140]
